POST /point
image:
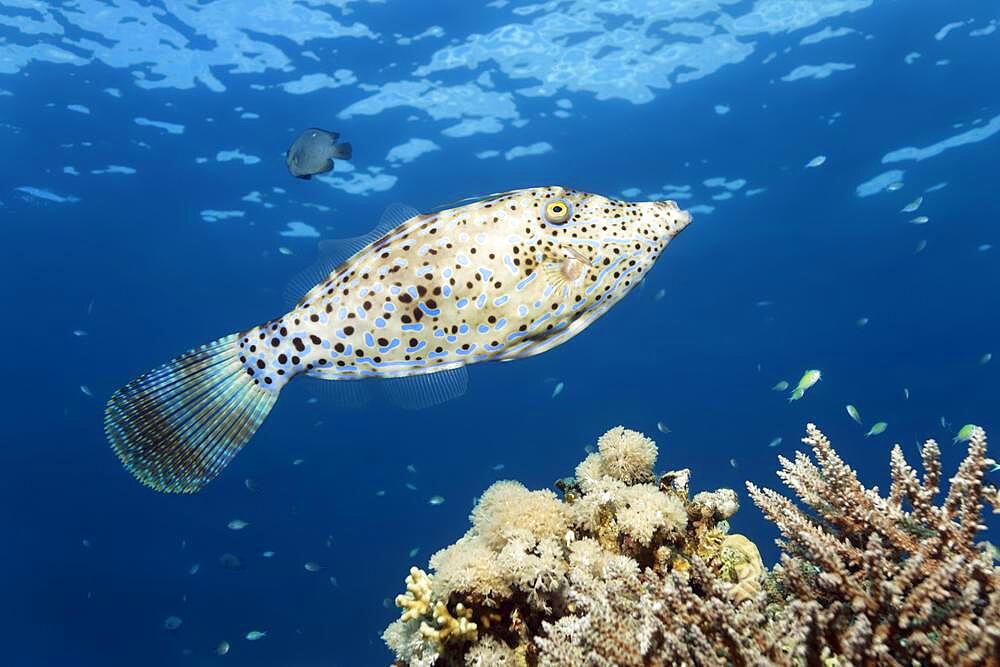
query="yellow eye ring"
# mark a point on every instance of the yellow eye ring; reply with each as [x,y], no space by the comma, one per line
[558,211]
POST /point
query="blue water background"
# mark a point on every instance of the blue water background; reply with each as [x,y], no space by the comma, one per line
[157,280]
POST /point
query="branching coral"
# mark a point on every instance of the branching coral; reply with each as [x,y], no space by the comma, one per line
[625,572]
[888,580]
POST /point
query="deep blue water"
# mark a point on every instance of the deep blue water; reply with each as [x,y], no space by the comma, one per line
[757,290]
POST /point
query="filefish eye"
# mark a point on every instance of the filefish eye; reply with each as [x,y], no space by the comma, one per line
[558,211]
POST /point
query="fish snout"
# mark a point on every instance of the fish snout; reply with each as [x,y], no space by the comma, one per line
[671,217]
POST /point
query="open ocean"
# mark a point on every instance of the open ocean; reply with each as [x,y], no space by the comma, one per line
[147,209]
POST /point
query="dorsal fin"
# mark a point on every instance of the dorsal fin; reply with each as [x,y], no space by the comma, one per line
[331,253]
[468,200]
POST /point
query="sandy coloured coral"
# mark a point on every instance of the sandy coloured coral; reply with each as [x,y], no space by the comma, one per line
[492,591]
[627,456]
[741,566]
[864,579]
[887,580]
[507,506]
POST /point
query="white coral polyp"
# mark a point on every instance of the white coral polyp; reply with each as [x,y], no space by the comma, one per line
[627,455]
[644,509]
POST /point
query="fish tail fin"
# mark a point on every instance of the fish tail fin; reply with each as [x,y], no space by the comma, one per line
[175,427]
[342,151]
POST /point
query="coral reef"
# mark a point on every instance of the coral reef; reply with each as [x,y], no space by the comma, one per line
[896,580]
[627,569]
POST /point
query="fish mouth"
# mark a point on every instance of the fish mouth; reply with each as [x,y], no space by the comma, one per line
[677,218]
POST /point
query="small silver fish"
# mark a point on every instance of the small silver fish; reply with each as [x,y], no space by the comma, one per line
[414,551]
[853,412]
[312,566]
[222,648]
[314,152]
[435,500]
[775,442]
[172,622]
[558,389]
[79,333]
[254,635]
[85,390]
[500,279]
[662,428]
[913,205]
[237,524]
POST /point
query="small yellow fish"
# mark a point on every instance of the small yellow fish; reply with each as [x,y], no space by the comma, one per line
[964,433]
[809,378]
[878,428]
[853,412]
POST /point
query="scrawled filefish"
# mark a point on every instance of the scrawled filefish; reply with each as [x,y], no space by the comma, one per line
[504,278]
